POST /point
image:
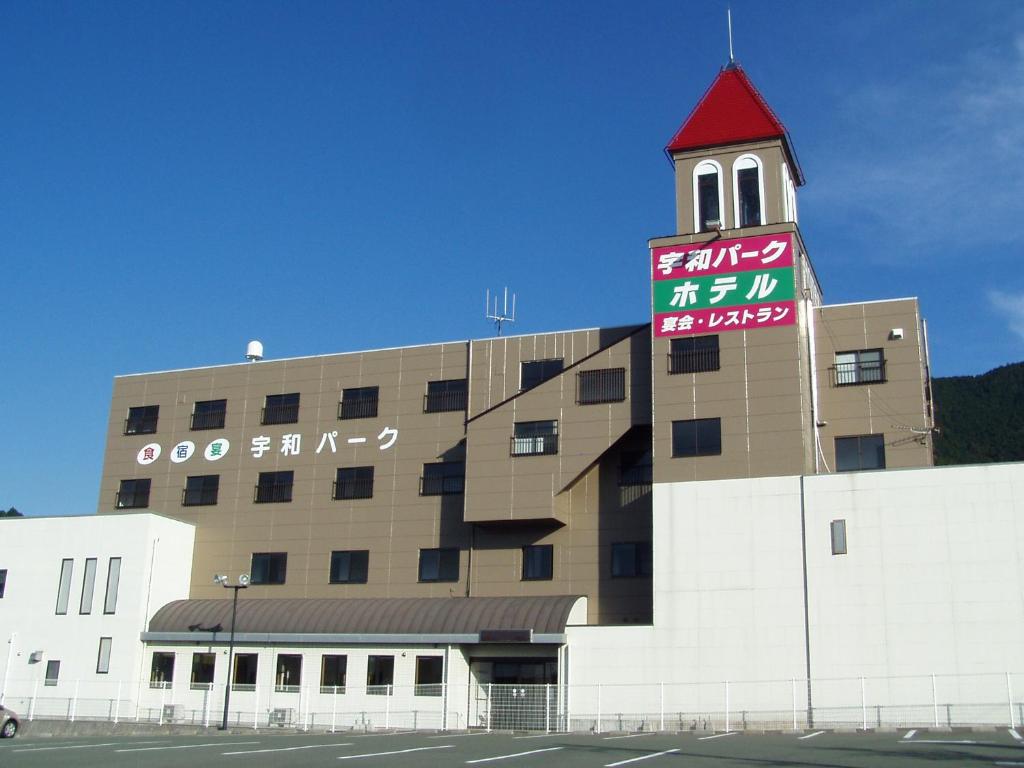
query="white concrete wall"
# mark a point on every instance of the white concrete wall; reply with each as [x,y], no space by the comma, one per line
[933,584]
[155,552]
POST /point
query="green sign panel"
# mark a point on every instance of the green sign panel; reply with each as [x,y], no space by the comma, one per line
[735,290]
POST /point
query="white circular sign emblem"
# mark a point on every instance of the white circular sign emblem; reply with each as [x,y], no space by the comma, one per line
[183,451]
[148,453]
[218,449]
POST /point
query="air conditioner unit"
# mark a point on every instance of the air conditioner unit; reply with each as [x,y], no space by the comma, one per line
[35,657]
[280,716]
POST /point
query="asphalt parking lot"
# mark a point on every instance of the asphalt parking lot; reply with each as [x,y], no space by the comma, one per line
[903,748]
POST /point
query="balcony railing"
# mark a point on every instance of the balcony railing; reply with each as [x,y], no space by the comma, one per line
[211,420]
[332,689]
[540,445]
[439,402]
[358,408]
[268,493]
[603,386]
[862,372]
[428,689]
[352,489]
[279,414]
[693,361]
[442,485]
[379,690]
[198,497]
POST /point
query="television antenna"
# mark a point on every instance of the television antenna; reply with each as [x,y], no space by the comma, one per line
[505,315]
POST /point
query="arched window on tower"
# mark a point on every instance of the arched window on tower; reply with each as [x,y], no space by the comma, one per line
[707,196]
[748,186]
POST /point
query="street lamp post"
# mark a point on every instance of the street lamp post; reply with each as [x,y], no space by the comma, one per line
[243,582]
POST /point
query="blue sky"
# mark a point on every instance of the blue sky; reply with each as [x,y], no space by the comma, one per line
[181,177]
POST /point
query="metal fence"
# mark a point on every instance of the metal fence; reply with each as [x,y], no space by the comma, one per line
[855,702]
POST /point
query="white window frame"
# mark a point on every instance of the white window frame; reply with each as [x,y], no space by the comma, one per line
[741,163]
[706,166]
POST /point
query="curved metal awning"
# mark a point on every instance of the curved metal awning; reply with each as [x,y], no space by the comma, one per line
[371,620]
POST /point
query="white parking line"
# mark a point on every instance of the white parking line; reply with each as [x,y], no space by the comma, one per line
[190,746]
[457,735]
[1013,732]
[538,736]
[642,757]
[71,746]
[910,734]
[286,749]
[396,752]
[811,735]
[718,735]
[517,754]
[943,741]
[628,736]
[1007,763]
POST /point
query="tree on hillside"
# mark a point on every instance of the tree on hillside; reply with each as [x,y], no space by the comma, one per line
[12,512]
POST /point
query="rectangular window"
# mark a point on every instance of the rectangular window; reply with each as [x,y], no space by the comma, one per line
[202,671]
[349,566]
[209,414]
[281,409]
[142,420]
[161,671]
[863,366]
[429,675]
[536,372]
[274,487]
[288,678]
[103,656]
[133,494]
[64,586]
[707,201]
[3,581]
[443,478]
[246,665]
[113,582]
[607,385]
[445,395]
[636,468]
[439,565]
[860,452]
[750,197]
[535,438]
[88,585]
[353,483]
[380,675]
[537,562]
[838,532]
[52,672]
[694,354]
[359,403]
[268,567]
[697,437]
[200,491]
[631,559]
[333,670]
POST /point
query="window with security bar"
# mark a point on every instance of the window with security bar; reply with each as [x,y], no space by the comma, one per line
[274,487]
[443,478]
[359,403]
[445,395]
[133,494]
[349,566]
[694,354]
[209,414]
[353,483]
[142,420]
[862,366]
[607,385]
[200,491]
[534,372]
[281,409]
[535,438]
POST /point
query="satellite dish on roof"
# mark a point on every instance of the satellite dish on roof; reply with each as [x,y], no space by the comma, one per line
[254,351]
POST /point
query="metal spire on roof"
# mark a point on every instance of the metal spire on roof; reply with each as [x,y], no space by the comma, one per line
[728,12]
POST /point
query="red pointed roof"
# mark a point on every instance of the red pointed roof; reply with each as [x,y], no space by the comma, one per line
[732,111]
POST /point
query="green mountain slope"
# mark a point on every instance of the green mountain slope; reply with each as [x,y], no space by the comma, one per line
[981,418]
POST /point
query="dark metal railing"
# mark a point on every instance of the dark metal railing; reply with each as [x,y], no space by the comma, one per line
[361,488]
[604,386]
[864,372]
[642,475]
[358,408]
[268,493]
[693,361]
[279,414]
[210,420]
[140,426]
[439,402]
[442,485]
